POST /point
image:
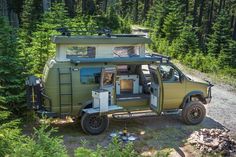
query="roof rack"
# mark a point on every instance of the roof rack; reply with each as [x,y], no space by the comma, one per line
[121,60]
[162,57]
[128,35]
[66,31]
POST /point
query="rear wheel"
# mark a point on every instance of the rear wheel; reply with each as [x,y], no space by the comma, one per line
[193,113]
[94,124]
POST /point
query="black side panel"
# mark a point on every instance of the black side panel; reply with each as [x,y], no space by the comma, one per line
[33,93]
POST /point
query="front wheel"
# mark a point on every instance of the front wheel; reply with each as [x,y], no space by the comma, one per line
[94,124]
[193,113]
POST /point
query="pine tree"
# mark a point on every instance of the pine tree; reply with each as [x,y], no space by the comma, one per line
[11,95]
[29,18]
[187,42]
[156,16]
[219,40]
[42,48]
[219,44]
[172,25]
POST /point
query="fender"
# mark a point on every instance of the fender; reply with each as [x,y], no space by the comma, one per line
[87,104]
[187,97]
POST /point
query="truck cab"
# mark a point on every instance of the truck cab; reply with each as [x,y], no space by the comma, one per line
[91,77]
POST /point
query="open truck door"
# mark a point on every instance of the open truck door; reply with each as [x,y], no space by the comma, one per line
[156,90]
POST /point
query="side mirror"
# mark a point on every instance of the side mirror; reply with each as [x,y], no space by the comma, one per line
[181,78]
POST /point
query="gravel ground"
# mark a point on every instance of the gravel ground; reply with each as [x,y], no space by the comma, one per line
[163,132]
[223,105]
[223,108]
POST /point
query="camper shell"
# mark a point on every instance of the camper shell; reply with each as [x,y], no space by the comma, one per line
[93,76]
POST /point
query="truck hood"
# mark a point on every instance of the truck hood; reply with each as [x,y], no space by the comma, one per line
[196,79]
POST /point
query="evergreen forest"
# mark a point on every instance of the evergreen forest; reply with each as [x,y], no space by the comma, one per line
[200,34]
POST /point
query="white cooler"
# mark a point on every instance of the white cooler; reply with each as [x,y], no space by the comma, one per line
[101,99]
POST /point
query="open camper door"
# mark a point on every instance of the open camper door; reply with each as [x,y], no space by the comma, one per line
[108,82]
[156,89]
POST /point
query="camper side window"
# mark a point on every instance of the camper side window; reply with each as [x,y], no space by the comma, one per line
[90,75]
[125,51]
[81,51]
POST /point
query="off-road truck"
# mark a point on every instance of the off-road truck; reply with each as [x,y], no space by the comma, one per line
[94,76]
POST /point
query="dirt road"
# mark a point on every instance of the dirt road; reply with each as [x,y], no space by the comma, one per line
[223,105]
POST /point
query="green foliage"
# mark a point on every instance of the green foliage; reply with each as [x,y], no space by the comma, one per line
[81,152]
[11,81]
[162,46]
[30,16]
[187,42]
[85,23]
[219,40]
[113,21]
[9,133]
[172,25]
[115,148]
[220,44]
[42,144]
[42,48]
[174,35]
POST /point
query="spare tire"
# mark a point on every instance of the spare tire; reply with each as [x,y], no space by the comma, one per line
[94,124]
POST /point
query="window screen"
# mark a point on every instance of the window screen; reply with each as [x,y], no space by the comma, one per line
[90,75]
[108,78]
[87,52]
[125,51]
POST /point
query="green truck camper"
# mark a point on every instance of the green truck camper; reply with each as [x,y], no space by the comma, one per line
[94,76]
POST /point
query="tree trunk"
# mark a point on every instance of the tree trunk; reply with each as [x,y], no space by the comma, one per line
[195,12]
[84,7]
[70,4]
[105,6]
[220,7]
[210,17]
[186,7]
[91,7]
[200,13]
[136,11]
[234,32]
[223,4]
[146,8]
[232,21]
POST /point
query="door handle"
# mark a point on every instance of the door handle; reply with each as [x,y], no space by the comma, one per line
[151,89]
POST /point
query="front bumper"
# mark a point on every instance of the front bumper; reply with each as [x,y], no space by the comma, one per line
[208,100]
[209,96]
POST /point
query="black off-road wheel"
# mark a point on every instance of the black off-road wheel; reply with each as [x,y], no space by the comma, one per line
[94,124]
[193,113]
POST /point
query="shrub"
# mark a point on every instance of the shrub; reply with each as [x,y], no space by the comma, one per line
[115,149]
[81,152]
[9,133]
[42,144]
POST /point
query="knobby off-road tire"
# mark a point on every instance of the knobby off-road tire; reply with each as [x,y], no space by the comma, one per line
[193,113]
[94,124]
